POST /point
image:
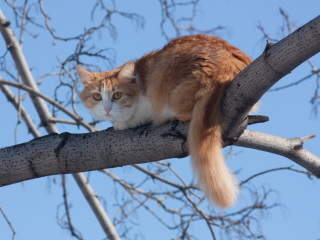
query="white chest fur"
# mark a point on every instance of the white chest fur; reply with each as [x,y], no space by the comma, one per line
[142,114]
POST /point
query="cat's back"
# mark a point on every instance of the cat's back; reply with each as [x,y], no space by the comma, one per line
[185,68]
[195,45]
[200,45]
[190,55]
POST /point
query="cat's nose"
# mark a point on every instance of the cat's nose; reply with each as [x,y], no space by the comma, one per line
[107,110]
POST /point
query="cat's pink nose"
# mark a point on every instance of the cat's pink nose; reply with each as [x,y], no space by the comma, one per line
[107,110]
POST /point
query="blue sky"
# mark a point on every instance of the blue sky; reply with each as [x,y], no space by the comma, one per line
[32,207]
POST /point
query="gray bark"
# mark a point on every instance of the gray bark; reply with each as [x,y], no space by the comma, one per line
[289,148]
[274,63]
[71,153]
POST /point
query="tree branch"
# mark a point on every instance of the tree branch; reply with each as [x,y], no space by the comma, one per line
[289,148]
[96,206]
[50,155]
[274,63]
[49,100]
[25,116]
[45,116]
[10,225]
[109,148]
[24,71]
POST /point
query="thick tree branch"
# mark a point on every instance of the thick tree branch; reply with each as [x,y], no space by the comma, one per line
[289,148]
[50,155]
[274,63]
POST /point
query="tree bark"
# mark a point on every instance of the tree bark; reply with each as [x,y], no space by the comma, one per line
[70,153]
[275,62]
[289,148]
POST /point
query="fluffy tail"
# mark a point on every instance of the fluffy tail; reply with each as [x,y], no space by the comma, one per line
[215,179]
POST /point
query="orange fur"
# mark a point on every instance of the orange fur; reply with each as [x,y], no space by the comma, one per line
[185,80]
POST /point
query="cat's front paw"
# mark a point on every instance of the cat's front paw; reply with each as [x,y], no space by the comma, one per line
[120,125]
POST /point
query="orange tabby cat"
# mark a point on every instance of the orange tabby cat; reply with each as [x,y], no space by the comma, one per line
[185,80]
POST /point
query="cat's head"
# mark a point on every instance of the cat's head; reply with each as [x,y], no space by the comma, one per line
[110,95]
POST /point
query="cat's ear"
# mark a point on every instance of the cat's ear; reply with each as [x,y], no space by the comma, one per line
[127,71]
[85,76]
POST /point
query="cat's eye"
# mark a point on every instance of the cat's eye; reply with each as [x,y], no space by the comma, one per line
[97,96]
[117,95]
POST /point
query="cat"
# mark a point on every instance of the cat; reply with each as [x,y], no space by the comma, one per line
[186,80]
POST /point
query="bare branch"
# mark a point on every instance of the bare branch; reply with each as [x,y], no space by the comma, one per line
[65,200]
[25,116]
[51,30]
[23,22]
[49,100]
[97,208]
[24,72]
[133,210]
[290,27]
[289,148]
[265,71]
[304,139]
[5,216]
[45,116]
[133,190]
[136,147]
[169,7]
[106,23]
[158,177]
[292,84]
[272,170]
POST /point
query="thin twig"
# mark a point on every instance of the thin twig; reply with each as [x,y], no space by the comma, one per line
[275,169]
[65,200]
[10,225]
[49,100]
[23,22]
